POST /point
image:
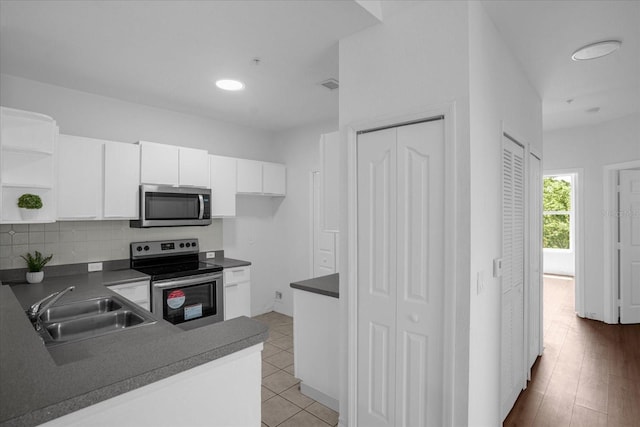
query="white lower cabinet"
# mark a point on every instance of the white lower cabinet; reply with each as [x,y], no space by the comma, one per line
[237,292]
[137,292]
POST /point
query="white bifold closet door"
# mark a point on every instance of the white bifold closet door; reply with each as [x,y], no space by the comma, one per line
[513,229]
[400,269]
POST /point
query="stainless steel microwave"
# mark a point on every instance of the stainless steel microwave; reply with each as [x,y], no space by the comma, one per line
[165,206]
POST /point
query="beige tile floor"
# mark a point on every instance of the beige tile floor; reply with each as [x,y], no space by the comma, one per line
[282,403]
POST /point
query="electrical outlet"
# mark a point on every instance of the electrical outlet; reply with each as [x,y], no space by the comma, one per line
[278,295]
[94,266]
[211,255]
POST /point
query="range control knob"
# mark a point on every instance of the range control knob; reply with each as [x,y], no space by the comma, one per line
[146,248]
[182,245]
[139,248]
[193,244]
[188,244]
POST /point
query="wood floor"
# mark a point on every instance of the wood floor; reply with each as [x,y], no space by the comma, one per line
[589,374]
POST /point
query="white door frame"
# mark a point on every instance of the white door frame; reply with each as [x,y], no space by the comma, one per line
[448,111]
[578,227]
[610,208]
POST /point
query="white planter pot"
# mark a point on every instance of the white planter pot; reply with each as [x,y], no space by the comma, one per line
[29,214]
[35,277]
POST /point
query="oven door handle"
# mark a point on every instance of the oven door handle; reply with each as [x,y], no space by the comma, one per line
[191,280]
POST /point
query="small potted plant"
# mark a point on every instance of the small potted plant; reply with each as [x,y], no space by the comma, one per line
[35,263]
[29,205]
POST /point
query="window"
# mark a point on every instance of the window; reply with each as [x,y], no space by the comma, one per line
[558,212]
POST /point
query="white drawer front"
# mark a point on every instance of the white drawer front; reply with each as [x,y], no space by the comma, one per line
[237,275]
[137,292]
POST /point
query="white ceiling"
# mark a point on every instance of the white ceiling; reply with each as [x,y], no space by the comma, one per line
[544,34]
[168,53]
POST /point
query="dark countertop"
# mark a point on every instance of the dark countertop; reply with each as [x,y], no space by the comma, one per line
[39,384]
[228,262]
[323,285]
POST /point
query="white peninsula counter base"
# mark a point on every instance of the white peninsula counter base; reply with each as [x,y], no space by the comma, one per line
[223,392]
[315,340]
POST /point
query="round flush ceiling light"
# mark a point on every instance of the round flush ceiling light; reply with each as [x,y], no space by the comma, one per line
[596,50]
[232,85]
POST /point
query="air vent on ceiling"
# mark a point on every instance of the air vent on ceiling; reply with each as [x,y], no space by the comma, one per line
[330,84]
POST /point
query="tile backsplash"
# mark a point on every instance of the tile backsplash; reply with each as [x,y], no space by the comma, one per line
[73,242]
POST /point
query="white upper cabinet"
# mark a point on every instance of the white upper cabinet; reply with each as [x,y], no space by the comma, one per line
[223,186]
[274,178]
[97,179]
[249,176]
[158,163]
[163,164]
[27,164]
[193,167]
[79,178]
[121,180]
[255,177]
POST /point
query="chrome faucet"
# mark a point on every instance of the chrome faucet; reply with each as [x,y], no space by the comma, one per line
[40,306]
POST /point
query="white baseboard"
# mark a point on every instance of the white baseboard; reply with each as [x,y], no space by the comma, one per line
[319,396]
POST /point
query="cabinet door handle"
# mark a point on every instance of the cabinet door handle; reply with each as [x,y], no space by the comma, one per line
[414,318]
[230,285]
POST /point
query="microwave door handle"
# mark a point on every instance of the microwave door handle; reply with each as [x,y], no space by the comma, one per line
[201,199]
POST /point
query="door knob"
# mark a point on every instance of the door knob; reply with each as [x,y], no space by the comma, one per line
[414,318]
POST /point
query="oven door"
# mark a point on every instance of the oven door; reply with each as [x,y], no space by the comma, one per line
[189,298]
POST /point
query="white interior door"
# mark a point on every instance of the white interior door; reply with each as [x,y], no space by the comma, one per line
[377,278]
[420,274]
[512,348]
[324,243]
[535,257]
[401,275]
[629,246]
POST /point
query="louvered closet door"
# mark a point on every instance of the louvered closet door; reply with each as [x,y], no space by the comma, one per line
[512,354]
[401,276]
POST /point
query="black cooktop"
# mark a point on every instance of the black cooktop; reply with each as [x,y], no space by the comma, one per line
[170,259]
[182,269]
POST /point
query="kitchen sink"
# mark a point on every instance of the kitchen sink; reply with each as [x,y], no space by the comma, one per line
[90,318]
[82,308]
[94,325]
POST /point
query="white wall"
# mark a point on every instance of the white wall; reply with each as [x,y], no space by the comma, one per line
[591,148]
[250,236]
[500,95]
[95,116]
[299,148]
[403,65]
[416,59]
[276,230]
[559,261]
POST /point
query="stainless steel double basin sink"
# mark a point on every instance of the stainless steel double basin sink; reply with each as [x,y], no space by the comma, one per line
[89,318]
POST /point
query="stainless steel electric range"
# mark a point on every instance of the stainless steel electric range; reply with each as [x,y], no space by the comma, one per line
[184,290]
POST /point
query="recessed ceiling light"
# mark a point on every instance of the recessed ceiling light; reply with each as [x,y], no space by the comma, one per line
[596,50]
[227,84]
